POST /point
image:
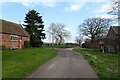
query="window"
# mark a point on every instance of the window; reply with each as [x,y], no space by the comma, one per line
[111,49]
[13,38]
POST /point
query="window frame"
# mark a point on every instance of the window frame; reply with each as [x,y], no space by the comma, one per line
[14,38]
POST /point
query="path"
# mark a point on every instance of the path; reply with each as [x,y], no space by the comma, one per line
[68,64]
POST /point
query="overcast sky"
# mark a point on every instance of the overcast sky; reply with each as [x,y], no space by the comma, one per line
[70,12]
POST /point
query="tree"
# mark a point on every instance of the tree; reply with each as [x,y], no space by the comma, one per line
[58,32]
[86,44]
[78,40]
[95,27]
[115,9]
[34,26]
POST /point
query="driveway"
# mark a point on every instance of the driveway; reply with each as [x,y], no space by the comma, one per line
[67,64]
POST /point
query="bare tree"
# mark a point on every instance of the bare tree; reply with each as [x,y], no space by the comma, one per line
[58,32]
[78,40]
[95,27]
[115,9]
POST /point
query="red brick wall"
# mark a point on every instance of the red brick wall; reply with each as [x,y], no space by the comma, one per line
[0,39]
[8,43]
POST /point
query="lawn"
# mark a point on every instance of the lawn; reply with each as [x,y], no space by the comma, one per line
[106,65]
[22,62]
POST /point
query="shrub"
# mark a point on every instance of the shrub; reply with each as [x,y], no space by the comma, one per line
[2,47]
[27,44]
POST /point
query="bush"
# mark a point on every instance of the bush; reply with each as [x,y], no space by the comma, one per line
[27,44]
[2,47]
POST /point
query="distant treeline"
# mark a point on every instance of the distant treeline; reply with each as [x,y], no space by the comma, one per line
[65,45]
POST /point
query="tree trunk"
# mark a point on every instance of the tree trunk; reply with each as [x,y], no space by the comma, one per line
[60,39]
[92,41]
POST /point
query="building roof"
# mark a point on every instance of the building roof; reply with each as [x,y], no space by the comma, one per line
[12,28]
[116,29]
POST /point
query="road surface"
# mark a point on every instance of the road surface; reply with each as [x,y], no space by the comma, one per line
[67,64]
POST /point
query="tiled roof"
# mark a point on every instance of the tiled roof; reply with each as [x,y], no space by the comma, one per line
[12,28]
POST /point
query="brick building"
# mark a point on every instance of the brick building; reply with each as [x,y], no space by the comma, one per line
[12,35]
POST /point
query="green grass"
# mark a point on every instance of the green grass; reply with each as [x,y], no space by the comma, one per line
[22,62]
[106,65]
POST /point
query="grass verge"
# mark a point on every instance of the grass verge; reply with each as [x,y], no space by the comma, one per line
[106,65]
[20,63]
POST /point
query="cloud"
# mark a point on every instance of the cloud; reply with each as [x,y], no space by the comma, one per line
[27,4]
[49,4]
[54,0]
[72,8]
[78,4]
[104,8]
[75,6]
[32,3]
[108,16]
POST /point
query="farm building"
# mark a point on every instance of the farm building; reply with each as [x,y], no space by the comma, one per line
[112,40]
[12,35]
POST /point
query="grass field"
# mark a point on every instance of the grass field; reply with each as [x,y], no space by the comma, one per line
[106,65]
[20,63]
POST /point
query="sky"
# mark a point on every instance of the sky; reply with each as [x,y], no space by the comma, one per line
[70,12]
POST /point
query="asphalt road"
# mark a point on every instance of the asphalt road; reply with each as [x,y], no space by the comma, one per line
[68,64]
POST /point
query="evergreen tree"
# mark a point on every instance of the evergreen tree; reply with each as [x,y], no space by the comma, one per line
[34,26]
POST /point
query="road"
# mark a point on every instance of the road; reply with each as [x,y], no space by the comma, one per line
[67,64]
